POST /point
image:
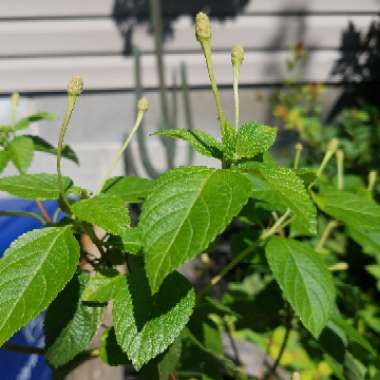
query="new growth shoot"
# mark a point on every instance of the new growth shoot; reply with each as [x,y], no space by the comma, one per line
[237,59]
[74,89]
[142,107]
[203,35]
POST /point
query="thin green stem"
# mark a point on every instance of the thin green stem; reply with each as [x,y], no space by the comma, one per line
[331,225]
[298,150]
[28,214]
[69,110]
[231,265]
[236,71]
[277,226]
[372,178]
[121,151]
[283,346]
[44,212]
[218,102]
[340,169]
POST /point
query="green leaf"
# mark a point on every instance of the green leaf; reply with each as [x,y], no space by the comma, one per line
[146,325]
[110,352]
[367,238]
[163,366]
[305,280]
[352,334]
[26,121]
[281,188]
[20,151]
[353,210]
[253,139]
[106,211]
[70,324]
[229,135]
[34,269]
[132,241]
[186,210]
[103,286]
[201,141]
[34,186]
[42,145]
[4,159]
[130,189]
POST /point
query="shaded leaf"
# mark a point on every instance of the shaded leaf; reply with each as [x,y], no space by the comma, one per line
[305,280]
[70,324]
[103,286]
[4,159]
[201,141]
[186,210]
[42,145]
[280,188]
[34,269]
[146,325]
[110,352]
[34,186]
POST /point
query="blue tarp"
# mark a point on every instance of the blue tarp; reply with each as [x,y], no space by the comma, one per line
[15,366]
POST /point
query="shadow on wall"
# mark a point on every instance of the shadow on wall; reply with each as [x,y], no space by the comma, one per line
[128,13]
[359,67]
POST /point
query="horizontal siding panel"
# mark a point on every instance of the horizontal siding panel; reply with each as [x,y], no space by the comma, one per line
[82,37]
[116,73]
[79,8]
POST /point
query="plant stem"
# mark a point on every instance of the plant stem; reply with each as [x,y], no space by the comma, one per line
[331,225]
[283,345]
[29,214]
[231,265]
[23,349]
[121,151]
[276,227]
[71,99]
[44,212]
[372,178]
[236,95]
[206,47]
[340,168]
[298,148]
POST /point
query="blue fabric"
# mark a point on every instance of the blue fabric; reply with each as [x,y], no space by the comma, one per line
[15,366]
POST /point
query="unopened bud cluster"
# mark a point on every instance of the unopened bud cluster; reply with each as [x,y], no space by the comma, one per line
[75,86]
[333,145]
[142,105]
[202,27]
[237,55]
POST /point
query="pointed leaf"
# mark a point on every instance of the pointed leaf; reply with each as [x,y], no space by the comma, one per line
[130,189]
[106,211]
[34,186]
[4,159]
[367,238]
[42,145]
[253,139]
[20,151]
[103,286]
[26,121]
[186,210]
[201,141]
[70,324]
[34,269]
[305,280]
[146,325]
[352,209]
[281,188]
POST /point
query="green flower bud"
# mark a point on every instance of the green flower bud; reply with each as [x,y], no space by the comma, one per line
[142,105]
[75,86]
[333,145]
[202,27]
[237,55]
